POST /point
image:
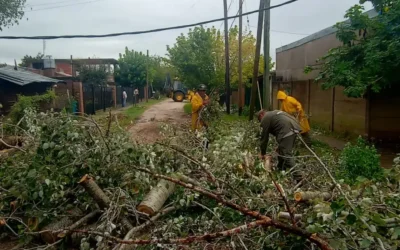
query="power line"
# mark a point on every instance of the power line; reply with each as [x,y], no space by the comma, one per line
[62,6]
[145,31]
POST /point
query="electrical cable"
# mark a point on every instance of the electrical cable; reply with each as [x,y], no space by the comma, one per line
[144,31]
[62,6]
[242,1]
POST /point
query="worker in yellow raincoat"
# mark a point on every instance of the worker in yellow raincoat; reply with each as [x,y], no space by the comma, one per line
[293,107]
[199,100]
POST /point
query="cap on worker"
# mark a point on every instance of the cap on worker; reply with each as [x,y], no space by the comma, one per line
[281,95]
[202,87]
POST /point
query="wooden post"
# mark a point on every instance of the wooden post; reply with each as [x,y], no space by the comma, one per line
[267,83]
[333,109]
[227,80]
[81,106]
[146,93]
[240,68]
[256,61]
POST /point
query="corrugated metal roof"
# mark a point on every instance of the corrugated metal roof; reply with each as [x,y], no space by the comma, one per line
[23,77]
[325,32]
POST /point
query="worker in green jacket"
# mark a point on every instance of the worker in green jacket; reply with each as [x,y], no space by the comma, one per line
[285,128]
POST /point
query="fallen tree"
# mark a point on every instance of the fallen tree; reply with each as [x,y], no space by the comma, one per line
[128,194]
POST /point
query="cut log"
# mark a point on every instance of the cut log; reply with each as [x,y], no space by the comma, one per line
[101,198]
[76,237]
[134,231]
[187,179]
[286,216]
[308,196]
[156,198]
[79,223]
[95,191]
[49,236]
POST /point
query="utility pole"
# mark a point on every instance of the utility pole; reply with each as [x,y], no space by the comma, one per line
[227,80]
[146,92]
[267,82]
[240,68]
[256,60]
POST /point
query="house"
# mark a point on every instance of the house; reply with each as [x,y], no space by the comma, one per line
[16,81]
[375,116]
[70,67]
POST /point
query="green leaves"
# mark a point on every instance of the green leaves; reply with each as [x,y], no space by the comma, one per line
[360,160]
[369,56]
[10,12]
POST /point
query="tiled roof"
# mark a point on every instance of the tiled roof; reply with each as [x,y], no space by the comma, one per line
[23,77]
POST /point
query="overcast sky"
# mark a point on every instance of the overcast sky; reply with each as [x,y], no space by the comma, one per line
[54,17]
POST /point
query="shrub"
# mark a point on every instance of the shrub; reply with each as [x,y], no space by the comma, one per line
[33,102]
[360,160]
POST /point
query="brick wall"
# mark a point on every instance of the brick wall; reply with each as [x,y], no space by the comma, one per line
[64,67]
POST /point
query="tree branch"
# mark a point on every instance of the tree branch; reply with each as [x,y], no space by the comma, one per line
[269,222]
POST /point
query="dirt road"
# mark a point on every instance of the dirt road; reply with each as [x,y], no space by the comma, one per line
[147,128]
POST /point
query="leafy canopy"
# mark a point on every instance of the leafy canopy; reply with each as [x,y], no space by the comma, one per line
[27,60]
[132,68]
[10,12]
[93,74]
[199,56]
[370,54]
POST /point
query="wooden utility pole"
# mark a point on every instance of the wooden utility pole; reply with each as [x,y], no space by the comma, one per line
[256,60]
[240,67]
[146,92]
[227,80]
[267,82]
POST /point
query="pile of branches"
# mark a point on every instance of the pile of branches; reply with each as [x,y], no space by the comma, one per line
[76,183]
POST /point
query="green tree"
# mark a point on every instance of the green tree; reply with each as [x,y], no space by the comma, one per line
[93,74]
[10,12]
[380,5]
[28,60]
[132,68]
[370,54]
[199,57]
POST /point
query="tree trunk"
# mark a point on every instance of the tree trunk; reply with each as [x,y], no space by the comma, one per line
[307,196]
[101,198]
[49,236]
[76,237]
[156,198]
[79,223]
[95,191]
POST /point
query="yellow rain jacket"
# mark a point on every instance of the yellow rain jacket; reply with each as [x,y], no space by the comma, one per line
[291,106]
[197,104]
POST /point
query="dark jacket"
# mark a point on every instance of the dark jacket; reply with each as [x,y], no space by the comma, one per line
[278,123]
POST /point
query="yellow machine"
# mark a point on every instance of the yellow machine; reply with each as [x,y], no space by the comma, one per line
[179,92]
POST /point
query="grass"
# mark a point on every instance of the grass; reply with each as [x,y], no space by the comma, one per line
[126,116]
[134,112]
[234,117]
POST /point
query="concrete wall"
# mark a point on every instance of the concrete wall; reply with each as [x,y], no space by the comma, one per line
[384,115]
[290,63]
[329,109]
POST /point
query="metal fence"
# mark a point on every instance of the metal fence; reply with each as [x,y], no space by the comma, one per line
[97,97]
